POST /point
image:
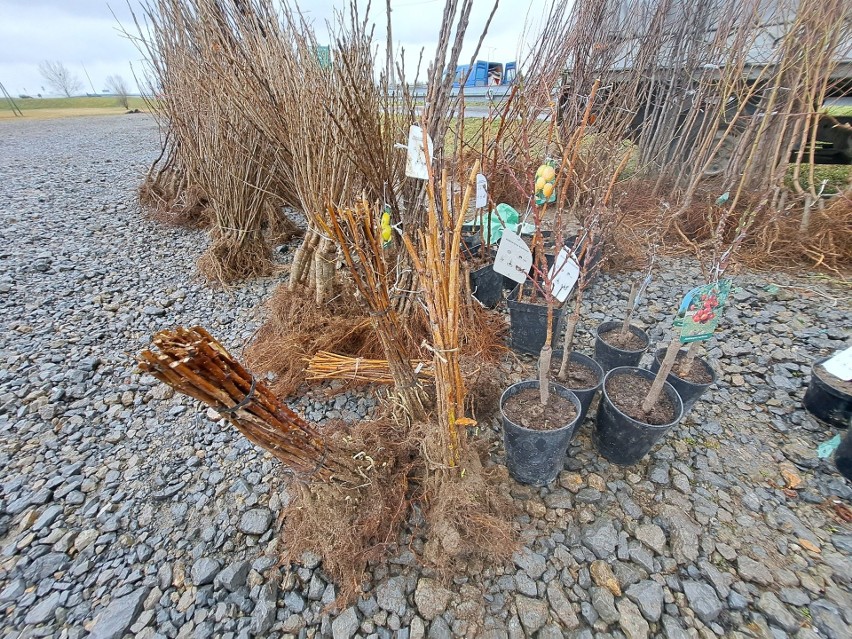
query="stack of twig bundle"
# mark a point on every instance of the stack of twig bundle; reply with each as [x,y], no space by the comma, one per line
[440,285]
[325,366]
[357,233]
[194,363]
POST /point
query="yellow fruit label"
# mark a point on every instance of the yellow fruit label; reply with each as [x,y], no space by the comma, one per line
[547,189]
[539,183]
[547,172]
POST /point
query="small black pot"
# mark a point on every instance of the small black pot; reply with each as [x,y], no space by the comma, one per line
[585,395]
[486,285]
[528,324]
[536,456]
[827,403]
[622,439]
[843,455]
[610,357]
[688,391]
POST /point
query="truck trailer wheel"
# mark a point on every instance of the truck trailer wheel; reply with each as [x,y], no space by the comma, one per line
[722,159]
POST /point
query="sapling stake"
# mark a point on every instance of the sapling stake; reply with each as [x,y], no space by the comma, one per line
[665,368]
[631,303]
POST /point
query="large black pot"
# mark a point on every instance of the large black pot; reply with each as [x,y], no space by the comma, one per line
[528,324]
[827,403]
[536,456]
[610,357]
[585,395]
[486,285]
[622,439]
[689,392]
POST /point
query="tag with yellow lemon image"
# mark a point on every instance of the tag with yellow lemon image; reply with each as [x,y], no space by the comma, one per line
[386,230]
[545,184]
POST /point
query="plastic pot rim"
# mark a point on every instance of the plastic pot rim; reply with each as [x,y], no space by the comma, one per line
[557,354]
[513,297]
[623,370]
[710,369]
[824,384]
[612,325]
[571,396]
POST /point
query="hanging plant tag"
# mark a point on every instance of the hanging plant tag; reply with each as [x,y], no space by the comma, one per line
[840,364]
[641,291]
[415,162]
[481,191]
[545,183]
[564,274]
[514,258]
[700,310]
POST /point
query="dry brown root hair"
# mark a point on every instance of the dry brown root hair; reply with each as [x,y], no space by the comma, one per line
[349,528]
[232,257]
[468,512]
[167,199]
[278,227]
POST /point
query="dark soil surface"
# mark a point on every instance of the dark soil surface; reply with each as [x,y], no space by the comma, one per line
[628,392]
[698,374]
[835,382]
[628,342]
[579,376]
[526,410]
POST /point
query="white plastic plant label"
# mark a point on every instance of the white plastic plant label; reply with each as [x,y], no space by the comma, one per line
[514,258]
[481,191]
[840,364]
[415,162]
[564,274]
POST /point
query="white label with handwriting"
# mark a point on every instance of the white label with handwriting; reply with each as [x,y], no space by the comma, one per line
[481,191]
[840,365]
[564,274]
[415,163]
[514,258]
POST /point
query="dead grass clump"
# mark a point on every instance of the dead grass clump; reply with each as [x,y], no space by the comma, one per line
[350,528]
[296,329]
[235,256]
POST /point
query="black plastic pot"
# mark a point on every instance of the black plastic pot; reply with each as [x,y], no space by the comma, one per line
[610,357]
[622,439]
[528,324]
[585,395]
[536,456]
[843,455]
[826,403]
[689,392]
[486,285]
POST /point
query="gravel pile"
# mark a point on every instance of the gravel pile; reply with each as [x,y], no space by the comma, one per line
[127,511]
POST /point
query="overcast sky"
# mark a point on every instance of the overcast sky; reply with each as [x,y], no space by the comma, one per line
[85,35]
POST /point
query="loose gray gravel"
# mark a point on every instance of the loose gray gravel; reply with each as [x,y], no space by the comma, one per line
[126,511]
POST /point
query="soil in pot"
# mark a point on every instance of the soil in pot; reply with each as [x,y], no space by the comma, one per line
[835,382]
[525,409]
[698,374]
[628,392]
[577,376]
[628,342]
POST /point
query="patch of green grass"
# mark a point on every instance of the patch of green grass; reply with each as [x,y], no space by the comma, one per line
[836,177]
[98,102]
[839,110]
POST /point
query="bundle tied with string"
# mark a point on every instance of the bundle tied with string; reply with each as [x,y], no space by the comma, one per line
[193,362]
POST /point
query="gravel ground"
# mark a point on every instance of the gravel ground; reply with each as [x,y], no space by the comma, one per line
[126,512]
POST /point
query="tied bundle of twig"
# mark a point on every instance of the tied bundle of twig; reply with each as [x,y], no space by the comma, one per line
[194,363]
[325,365]
[438,271]
[356,232]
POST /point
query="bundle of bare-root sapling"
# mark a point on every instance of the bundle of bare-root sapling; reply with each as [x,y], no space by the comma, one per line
[353,481]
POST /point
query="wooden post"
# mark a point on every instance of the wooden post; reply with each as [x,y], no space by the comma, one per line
[634,289]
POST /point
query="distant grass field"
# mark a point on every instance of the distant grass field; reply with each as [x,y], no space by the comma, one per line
[43,108]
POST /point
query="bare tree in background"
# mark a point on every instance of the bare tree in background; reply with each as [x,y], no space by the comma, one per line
[59,77]
[118,87]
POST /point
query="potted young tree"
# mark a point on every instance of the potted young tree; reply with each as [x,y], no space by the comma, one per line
[639,406]
[620,343]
